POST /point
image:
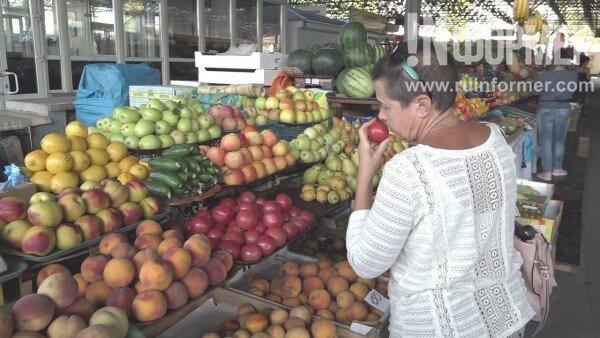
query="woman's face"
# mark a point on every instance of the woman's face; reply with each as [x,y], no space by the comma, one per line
[480,69]
[403,121]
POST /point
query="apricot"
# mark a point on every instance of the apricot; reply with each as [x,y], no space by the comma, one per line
[123,250]
[369,282]
[326,273]
[333,306]
[276,286]
[274,298]
[294,322]
[342,317]
[92,268]
[323,328]
[346,271]
[291,302]
[180,260]
[309,270]
[276,331]
[261,284]
[325,313]
[228,327]
[357,311]
[147,241]
[359,290]
[199,248]
[196,282]
[149,305]
[121,297]
[119,272]
[255,322]
[246,309]
[156,274]
[255,277]
[169,243]
[336,285]
[289,268]
[311,283]
[279,316]
[301,312]
[344,299]
[297,332]
[319,299]
[98,331]
[225,258]
[82,284]
[291,286]
[376,311]
[148,226]
[109,241]
[371,317]
[382,287]
[303,298]
[256,292]
[324,263]
[97,293]
[176,295]
[80,307]
[241,334]
[62,288]
[210,335]
[49,270]
[216,271]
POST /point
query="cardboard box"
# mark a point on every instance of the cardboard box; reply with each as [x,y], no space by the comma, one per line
[548,224]
[24,191]
[139,95]
[535,206]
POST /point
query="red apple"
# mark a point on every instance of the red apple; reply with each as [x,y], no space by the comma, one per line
[295,211]
[216,233]
[272,219]
[269,137]
[233,236]
[251,253]
[90,225]
[96,200]
[307,215]
[151,206]
[216,156]
[230,142]
[251,236]
[271,206]
[249,173]
[291,230]
[235,160]
[221,214]
[246,219]
[70,190]
[301,223]
[243,140]
[267,244]
[232,247]
[199,225]
[278,234]
[284,201]
[233,177]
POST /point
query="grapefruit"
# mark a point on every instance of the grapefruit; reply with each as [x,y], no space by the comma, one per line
[81,160]
[117,151]
[95,173]
[59,163]
[76,128]
[42,179]
[77,143]
[98,156]
[36,160]
[55,143]
[63,180]
[112,169]
[97,141]
[139,171]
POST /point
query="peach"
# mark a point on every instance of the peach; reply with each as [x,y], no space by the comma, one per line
[323,328]
[342,317]
[49,270]
[261,284]
[333,306]
[199,248]
[38,240]
[297,332]
[301,312]
[147,241]
[359,290]
[228,327]
[98,331]
[344,299]
[246,309]
[289,268]
[336,285]
[109,241]
[119,272]
[327,273]
[176,295]
[62,288]
[172,234]
[311,283]
[371,317]
[276,286]
[274,298]
[255,323]
[143,256]
[210,335]
[92,267]
[180,260]
[357,311]
[139,287]
[309,270]
[346,271]
[257,292]
[369,282]
[303,298]
[319,299]
[122,298]
[169,243]
[32,312]
[225,258]
[291,286]
[66,326]
[324,263]
[279,316]
[111,316]
[291,301]
[156,274]
[6,325]
[80,307]
[294,322]
[97,292]
[149,305]
[196,282]
[123,250]
[325,313]
[148,226]
[276,331]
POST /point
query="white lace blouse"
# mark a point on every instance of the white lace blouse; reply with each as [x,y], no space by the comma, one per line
[442,221]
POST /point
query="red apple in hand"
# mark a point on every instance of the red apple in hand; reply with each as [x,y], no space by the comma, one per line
[378,132]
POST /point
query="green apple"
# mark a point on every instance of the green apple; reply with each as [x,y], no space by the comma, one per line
[150,142]
[320,128]
[329,140]
[100,123]
[272,103]
[307,156]
[87,185]
[311,132]
[166,141]
[132,142]
[170,104]
[178,136]
[317,156]
[117,112]
[182,100]
[144,127]
[214,131]
[162,127]
[261,120]
[156,104]
[321,140]
[203,135]
[287,116]
[185,125]
[314,145]
[117,138]
[205,121]
[171,117]
[251,121]
[128,129]
[186,113]
[151,114]
[129,115]
[260,103]
[191,138]
[325,113]
[317,115]
[298,96]
[303,142]
[106,134]
[310,95]
[115,127]
[322,152]
[199,107]
[301,116]
[310,118]
[195,125]
[296,153]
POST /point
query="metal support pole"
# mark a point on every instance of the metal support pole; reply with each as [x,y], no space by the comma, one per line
[283,23]
[259,24]
[64,46]
[39,48]
[233,22]
[120,43]
[411,19]
[200,18]
[164,41]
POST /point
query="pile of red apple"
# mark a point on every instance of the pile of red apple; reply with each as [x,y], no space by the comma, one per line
[250,228]
[231,118]
[250,155]
[74,216]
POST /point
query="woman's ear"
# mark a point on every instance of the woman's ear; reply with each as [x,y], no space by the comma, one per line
[423,105]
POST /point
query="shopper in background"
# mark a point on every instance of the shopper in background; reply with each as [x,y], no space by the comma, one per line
[584,75]
[442,218]
[480,72]
[553,117]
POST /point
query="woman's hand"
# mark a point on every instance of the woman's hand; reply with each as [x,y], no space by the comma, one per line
[370,158]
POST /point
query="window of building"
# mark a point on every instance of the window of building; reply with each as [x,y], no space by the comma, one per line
[91,27]
[142,28]
[218,36]
[245,22]
[183,28]
[271,27]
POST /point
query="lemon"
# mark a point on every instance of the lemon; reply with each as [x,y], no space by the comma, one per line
[112,169]
[126,163]
[36,160]
[81,160]
[27,172]
[55,143]
[63,180]
[98,156]
[42,179]
[139,171]
[125,177]
[59,163]
[97,141]
[76,128]
[77,143]
[95,173]
[117,151]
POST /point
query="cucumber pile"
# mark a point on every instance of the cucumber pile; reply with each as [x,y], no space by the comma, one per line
[180,172]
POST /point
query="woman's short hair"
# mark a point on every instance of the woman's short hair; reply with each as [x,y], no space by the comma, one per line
[438,80]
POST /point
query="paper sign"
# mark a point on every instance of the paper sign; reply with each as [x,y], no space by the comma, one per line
[376,300]
[315,81]
[361,328]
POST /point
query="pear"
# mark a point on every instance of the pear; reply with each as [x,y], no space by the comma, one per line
[349,168]
[336,183]
[308,195]
[376,178]
[333,197]
[322,196]
[334,164]
[311,175]
[355,157]
[351,181]
[324,175]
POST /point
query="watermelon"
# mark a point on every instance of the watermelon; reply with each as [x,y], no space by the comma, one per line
[358,54]
[327,62]
[339,81]
[301,59]
[369,67]
[314,48]
[333,45]
[378,52]
[352,32]
[357,82]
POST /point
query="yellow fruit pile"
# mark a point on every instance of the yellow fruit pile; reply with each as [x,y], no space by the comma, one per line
[68,161]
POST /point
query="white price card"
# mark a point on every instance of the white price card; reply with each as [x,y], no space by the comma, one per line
[376,300]
[315,81]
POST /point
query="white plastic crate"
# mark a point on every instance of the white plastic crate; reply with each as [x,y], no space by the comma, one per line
[253,61]
[260,76]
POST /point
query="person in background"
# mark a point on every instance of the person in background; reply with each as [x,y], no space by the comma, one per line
[442,220]
[553,118]
[584,69]
[479,72]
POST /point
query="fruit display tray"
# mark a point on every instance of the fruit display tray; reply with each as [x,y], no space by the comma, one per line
[161,218]
[15,267]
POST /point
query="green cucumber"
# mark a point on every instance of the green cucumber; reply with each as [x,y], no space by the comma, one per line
[182,175]
[179,150]
[200,159]
[170,179]
[165,163]
[158,189]
[212,170]
[192,164]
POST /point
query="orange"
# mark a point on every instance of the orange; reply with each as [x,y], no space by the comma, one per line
[81,160]
[76,128]
[97,141]
[36,160]
[95,173]
[77,143]
[139,171]
[63,180]
[127,162]
[112,169]
[42,179]
[98,156]
[55,143]
[117,151]
[59,163]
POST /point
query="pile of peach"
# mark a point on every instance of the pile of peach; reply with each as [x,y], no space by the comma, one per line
[331,291]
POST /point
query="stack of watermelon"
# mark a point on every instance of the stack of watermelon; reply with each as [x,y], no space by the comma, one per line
[351,61]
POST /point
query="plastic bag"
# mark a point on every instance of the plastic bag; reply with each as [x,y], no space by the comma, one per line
[15,177]
[105,86]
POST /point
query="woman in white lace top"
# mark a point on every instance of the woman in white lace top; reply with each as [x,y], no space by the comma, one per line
[442,218]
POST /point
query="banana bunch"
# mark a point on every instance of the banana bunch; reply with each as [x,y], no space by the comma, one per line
[520,10]
[534,24]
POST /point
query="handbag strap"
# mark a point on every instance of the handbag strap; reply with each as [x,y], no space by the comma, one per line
[542,269]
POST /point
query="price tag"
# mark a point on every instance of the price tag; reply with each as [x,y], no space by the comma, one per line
[376,300]
[315,81]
